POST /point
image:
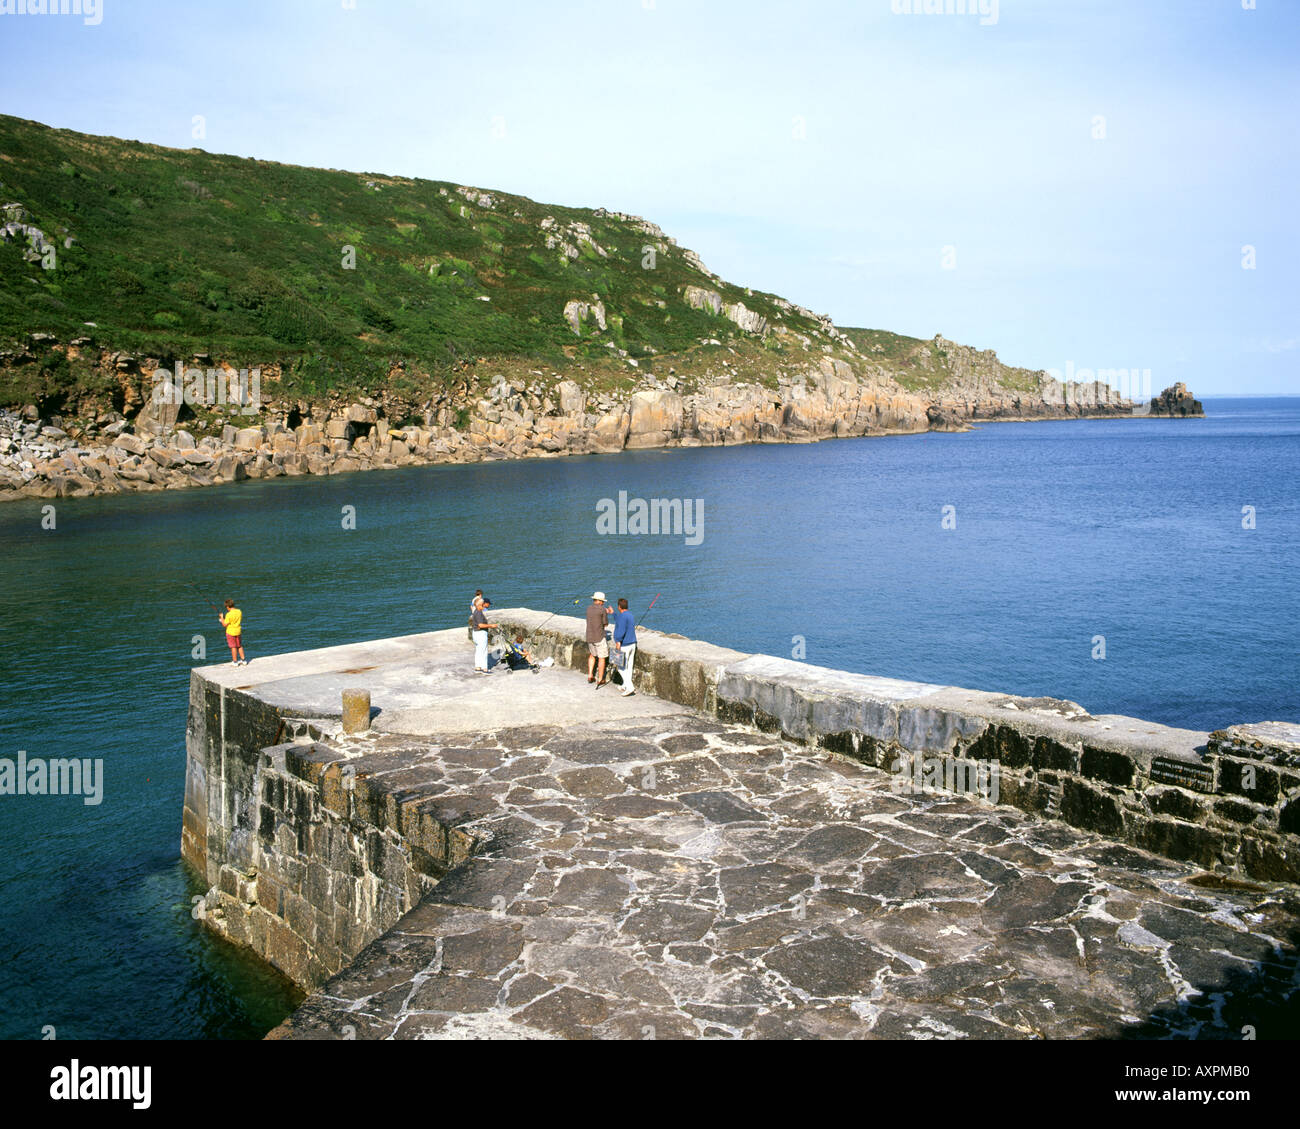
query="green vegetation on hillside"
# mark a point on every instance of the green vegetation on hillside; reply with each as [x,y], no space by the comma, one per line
[914,363]
[927,367]
[179,253]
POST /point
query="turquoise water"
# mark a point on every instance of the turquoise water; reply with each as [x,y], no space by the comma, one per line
[1065,531]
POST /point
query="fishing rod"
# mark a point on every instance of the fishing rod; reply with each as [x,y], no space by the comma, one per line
[203,597]
[647,611]
[198,593]
[577,600]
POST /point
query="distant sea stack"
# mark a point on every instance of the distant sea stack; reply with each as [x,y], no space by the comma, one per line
[1176,401]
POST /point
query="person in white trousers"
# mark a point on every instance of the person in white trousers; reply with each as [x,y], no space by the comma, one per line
[625,644]
[481,627]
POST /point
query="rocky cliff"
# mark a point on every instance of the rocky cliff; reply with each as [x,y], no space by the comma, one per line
[191,318]
[1176,401]
[155,441]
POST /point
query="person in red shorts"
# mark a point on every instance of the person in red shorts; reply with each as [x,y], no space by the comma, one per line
[233,622]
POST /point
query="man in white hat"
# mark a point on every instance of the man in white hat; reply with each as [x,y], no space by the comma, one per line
[597,645]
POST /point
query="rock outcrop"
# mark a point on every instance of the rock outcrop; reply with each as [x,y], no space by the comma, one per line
[577,311]
[1176,401]
[654,419]
[710,301]
[15,228]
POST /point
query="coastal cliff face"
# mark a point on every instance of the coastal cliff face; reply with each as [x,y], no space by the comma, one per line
[154,449]
[388,320]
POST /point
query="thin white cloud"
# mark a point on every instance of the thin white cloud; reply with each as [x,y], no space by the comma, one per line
[1273,345]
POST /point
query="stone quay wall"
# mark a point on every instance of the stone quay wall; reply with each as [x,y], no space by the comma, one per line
[314,844]
[1227,800]
[307,862]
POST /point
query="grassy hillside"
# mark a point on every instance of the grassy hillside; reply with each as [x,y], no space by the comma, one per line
[346,283]
[185,252]
[914,363]
[936,366]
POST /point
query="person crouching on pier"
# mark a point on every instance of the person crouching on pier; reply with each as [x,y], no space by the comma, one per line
[233,622]
[481,626]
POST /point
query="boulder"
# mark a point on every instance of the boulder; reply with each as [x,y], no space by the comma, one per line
[611,431]
[655,418]
[700,299]
[806,416]
[230,469]
[164,457]
[573,400]
[747,319]
[163,401]
[576,313]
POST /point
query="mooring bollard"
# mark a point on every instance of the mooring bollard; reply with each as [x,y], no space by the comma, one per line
[356,711]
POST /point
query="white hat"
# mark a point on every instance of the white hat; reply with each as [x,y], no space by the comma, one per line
[598,596]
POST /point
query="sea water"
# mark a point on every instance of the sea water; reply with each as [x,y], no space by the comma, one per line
[1136,566]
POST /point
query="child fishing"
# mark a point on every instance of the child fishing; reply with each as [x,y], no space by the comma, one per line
[233,622]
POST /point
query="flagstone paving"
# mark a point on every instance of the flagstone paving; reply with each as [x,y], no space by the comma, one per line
[670,876]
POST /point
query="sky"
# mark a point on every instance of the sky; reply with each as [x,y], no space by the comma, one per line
[1077,184]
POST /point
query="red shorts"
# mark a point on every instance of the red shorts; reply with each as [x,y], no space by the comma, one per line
[234,640]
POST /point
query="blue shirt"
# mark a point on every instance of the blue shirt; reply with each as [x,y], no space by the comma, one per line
[625,629]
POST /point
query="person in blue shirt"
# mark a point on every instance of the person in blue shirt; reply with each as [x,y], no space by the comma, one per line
[625,644]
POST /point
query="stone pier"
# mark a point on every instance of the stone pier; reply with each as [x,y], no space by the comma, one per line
[742,849]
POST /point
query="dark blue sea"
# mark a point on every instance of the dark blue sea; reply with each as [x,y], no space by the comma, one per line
[1172,544]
